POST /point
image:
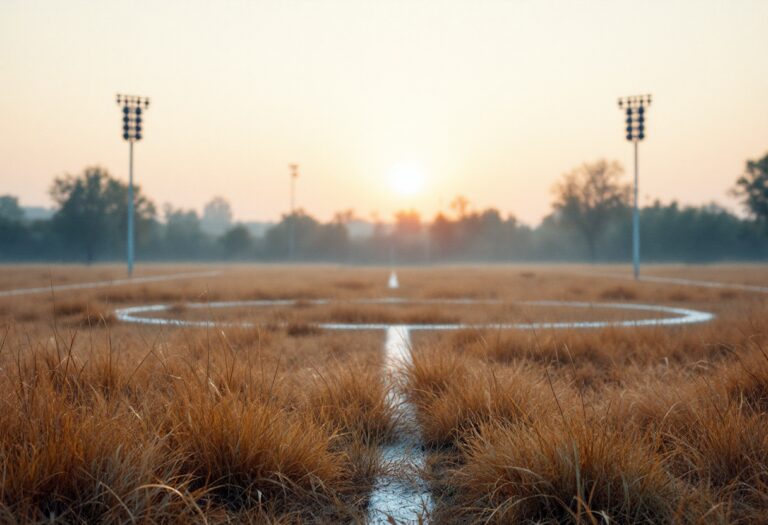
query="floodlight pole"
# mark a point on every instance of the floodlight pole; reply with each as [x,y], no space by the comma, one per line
[636,225]
[292,240]
[130,246]
[635,111]
[132,109]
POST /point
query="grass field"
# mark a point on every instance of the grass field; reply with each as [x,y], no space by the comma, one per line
[284,422]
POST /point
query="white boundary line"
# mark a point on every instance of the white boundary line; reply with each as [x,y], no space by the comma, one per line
[680,315]
[686,282]
[396,498]
[403,498]
[105,284]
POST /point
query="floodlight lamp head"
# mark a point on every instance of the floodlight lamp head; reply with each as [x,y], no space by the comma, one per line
[132,108]
[635,115]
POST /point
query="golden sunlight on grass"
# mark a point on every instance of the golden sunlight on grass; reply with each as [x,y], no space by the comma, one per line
[285,422]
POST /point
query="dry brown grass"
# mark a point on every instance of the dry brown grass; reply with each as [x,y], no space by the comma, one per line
[608,426]
[454,398]
[680,443]
[248,454]
[566,471]
[352,398]
[97,440]
[195,427]
[282,423]
[618,293]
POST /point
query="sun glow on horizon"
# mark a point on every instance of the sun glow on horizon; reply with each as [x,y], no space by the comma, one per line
[384,105]
[407,179]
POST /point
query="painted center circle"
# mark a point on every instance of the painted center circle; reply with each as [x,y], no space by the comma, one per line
[146,314]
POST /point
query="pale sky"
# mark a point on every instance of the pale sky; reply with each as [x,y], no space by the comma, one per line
[490,99]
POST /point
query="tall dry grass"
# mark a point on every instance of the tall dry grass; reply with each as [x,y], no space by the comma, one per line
[521,432]
[454,397]
[202,430]
[566,472]
[102,422]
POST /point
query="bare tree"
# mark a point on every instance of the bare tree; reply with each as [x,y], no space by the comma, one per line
[460,204]
[590,196]
[344,216]
[752,188]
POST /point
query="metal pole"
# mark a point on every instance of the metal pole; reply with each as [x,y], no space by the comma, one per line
[636,225]
[292,242]
[132,111]
[130,209]
[634,107]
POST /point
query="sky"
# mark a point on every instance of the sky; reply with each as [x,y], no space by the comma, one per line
[384,104]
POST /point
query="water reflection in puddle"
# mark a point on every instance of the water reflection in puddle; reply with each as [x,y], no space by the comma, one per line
[400,495]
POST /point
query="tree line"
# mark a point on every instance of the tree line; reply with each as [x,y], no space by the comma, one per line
[590,220]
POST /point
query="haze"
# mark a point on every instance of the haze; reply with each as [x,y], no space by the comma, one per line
[493,100]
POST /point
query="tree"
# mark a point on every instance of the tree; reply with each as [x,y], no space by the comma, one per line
[92,212]
[443,234]
[183,234]
[460,205]
[217,216]
[237,242]
[314,240]
[344,216]
[589,197]
[13,231]
[752,187]
[407,223]
[10,211]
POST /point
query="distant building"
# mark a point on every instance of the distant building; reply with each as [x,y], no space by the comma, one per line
[37,213]
[360,229]
[217,217]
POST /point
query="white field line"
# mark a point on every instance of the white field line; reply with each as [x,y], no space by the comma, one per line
[689,282]
[393,283]
[105,284]
[677,316]
[400,496]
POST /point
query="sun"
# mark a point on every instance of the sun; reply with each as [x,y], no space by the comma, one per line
[407,179]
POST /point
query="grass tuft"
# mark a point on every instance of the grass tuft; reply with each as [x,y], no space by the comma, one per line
[551,472]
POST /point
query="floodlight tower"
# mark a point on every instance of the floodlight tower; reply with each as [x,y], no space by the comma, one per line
[635,110]
[133,107]
[292,241]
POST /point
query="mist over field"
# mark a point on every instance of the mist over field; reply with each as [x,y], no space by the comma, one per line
[88,225]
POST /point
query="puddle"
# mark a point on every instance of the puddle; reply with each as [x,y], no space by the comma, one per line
[400,495]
